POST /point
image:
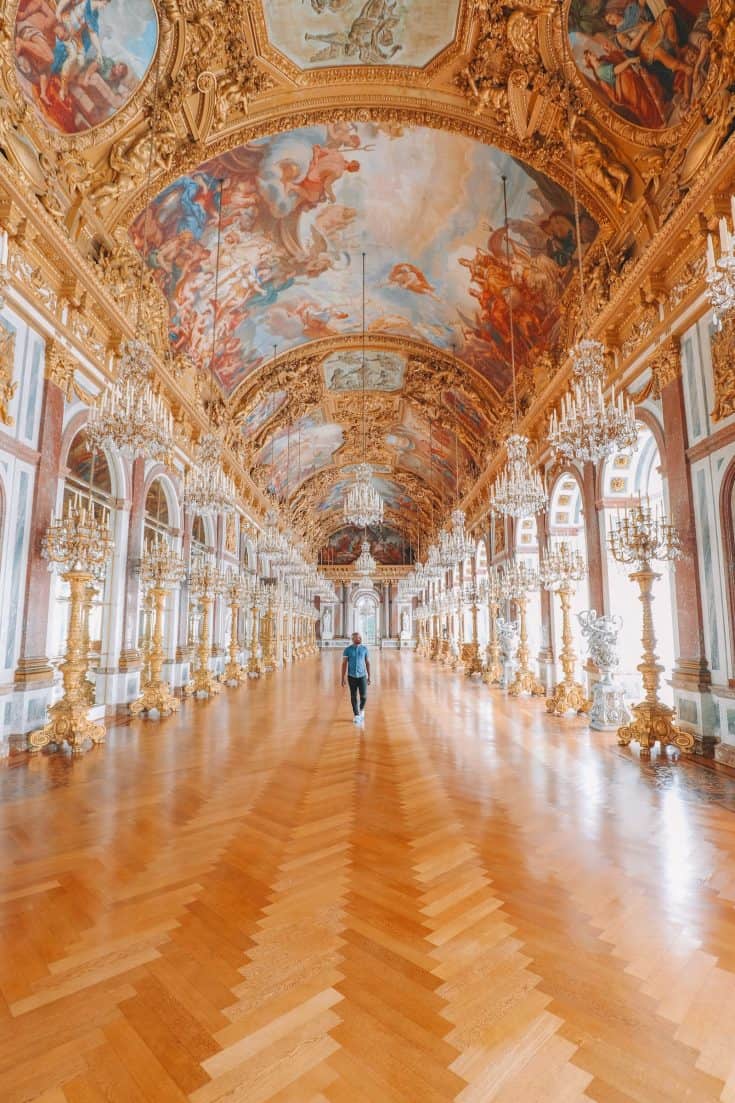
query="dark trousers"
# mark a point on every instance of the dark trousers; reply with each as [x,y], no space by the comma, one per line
[358,684]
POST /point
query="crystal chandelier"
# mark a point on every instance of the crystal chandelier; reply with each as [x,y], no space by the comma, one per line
[518,490]
[272,543]
[721,272]
[365,566]
[160,565]
[78,541]
[128,416]
[207,489]
[363,505]
[591,427]
[434,567]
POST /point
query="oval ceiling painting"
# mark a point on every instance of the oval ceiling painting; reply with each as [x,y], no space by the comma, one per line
[645,59]
[79,61]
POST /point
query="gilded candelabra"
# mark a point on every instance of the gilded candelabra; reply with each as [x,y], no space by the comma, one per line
[493,591]
[268,627]
[235,673]
[161,569]
[518,581]
[206,582]
[639,537]
[81,546]
[472,658]
[561,568]
[255,667]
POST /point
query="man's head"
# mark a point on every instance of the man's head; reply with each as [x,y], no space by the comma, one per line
[356,638]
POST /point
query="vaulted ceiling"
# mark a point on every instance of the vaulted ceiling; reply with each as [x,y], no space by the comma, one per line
[336,128]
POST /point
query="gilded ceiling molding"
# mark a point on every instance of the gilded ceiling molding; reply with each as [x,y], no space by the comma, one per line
[723,369]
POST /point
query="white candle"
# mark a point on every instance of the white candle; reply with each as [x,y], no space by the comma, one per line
[710,253]
[724,237]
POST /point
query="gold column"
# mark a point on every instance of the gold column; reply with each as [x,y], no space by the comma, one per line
[205,581]
[234,673]
[68,721]
[82,546]
[156,695]
[561,567]
[255,668]
[639,537]
[652,720]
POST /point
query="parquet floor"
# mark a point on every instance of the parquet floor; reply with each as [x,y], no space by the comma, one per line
[254,901]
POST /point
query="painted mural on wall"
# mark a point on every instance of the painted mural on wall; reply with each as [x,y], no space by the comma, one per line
[473,418]
[292,458]
[300,207]
[384,371]
[261,413]
[646,59]
[318,33]
[386,545]
[79,61]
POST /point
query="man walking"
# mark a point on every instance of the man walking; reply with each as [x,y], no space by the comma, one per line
[356,668]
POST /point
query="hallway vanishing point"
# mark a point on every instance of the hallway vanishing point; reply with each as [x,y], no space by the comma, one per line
[256,901]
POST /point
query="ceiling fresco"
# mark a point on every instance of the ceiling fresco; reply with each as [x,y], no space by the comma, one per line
[387,546]
[318,33]
[384,371]
[261,413]
[645,59]
[429,452]
[291,457]
[78,62]
[299,208]
[393,495]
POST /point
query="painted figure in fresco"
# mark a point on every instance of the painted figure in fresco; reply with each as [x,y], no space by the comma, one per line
[326,168]
[320,6]
[368,41]
[411,278]
[647,58]
[59,53]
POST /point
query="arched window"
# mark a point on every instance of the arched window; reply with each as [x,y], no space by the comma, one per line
[88,478]
[566,525]
[157,522]
[200,542]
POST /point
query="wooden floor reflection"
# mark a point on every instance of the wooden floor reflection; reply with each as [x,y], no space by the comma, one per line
[256,901]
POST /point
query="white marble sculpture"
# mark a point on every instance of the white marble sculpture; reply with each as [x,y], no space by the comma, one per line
[609,710]
[508,640]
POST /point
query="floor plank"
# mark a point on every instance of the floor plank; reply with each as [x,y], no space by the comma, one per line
[257,901]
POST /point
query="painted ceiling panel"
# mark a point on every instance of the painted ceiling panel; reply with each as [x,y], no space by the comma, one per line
[318,33]
[646,61]
[300,207]
[79,61]
[291,457]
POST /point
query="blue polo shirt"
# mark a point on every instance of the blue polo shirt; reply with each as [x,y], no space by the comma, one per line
[356,654]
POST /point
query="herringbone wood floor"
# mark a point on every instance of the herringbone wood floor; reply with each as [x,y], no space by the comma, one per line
[254,901]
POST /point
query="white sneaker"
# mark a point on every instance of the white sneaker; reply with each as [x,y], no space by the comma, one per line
[355,719]
[362,715]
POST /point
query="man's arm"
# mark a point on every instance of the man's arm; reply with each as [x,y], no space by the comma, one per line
[367,667]
[344,670]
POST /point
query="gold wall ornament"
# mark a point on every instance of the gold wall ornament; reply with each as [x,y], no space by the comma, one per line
[723,368]
[7,363]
